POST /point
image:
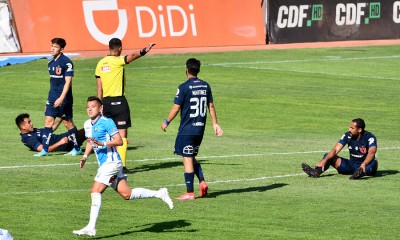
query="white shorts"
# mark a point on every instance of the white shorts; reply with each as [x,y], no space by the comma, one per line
[110,173]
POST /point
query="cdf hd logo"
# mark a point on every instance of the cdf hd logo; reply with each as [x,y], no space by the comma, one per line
[353,13]
[294,16]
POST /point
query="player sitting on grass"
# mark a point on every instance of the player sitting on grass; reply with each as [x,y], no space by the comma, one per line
[362,148]
[32,137]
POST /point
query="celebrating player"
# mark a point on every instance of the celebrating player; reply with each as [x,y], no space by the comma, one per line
[192,99]
[362,148]
[110,75]
[59,102]
[32,137]
[103,137]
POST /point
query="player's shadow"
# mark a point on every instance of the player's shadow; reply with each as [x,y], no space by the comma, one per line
[245,190]
[383,173]
[167,164]
[211,162]
[150,167]
[380,173]
[133,147]
[161,227]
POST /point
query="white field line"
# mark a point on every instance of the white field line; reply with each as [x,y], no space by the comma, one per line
[177,185]
[311,72]
[160,159]
[177,158]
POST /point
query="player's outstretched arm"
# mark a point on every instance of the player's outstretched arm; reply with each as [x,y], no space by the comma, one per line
[137,54]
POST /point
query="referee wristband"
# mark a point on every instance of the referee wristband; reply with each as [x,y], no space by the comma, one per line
[143,52]
[166,121]
[105,144]
[84,156]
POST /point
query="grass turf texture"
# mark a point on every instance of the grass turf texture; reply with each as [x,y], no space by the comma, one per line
[277,108]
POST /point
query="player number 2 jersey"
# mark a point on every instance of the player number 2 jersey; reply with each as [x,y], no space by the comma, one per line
[193,96]
[102,130]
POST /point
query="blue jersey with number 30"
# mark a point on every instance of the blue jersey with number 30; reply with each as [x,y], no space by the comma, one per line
[102,130]
[58,70]
[193,96]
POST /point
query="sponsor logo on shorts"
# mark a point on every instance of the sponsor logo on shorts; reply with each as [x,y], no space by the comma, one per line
[121,122]
[188,149]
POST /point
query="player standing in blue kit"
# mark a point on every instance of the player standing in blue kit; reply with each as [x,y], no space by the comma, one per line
[192,99]
[59,102]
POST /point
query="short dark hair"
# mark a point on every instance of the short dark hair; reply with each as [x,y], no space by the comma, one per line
[114,43]
[59,41]
[193,66]
[21,119]
[94,98]
[359,122]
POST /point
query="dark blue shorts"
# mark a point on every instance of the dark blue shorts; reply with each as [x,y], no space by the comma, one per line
[349,167]
[187,145]
[64,111]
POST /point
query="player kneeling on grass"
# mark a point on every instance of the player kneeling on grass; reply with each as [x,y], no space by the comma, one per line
[103,138]
[362,148]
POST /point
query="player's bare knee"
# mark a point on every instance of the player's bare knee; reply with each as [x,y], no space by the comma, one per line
[126,196]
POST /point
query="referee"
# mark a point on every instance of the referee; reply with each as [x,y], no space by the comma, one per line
[110,75]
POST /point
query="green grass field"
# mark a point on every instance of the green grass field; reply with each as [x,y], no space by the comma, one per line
[278,108]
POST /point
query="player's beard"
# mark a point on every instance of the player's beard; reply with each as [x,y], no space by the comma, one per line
[354,137]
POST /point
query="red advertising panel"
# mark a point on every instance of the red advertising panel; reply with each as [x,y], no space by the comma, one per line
[89,24]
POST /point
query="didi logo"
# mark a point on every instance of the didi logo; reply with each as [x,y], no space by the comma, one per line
[167,21]
[104,5]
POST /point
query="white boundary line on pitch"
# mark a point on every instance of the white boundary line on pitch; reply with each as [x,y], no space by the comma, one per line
[154,186]
[177,158]
[310,72]
[178,185]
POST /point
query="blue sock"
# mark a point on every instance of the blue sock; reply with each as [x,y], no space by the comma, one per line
[73,132]
[46,136]
[198,171]
[189,178]
[328,163]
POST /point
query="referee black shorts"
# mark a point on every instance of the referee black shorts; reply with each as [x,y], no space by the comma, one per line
[117,109]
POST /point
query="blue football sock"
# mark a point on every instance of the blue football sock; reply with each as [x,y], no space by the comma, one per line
[189,178]
[46,136]
[73,133]
[198,171]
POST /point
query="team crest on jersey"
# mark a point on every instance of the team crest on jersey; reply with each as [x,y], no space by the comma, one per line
[58,70]
[95,129]
[363,150]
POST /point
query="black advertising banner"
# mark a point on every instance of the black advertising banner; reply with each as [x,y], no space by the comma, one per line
[290,21]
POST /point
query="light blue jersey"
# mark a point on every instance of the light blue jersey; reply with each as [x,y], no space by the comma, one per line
[102,130]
